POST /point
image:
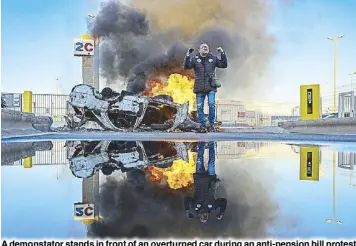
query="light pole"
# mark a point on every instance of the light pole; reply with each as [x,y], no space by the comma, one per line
[57,86]
[335,39]
[334,219]
[351,74]
[351,176]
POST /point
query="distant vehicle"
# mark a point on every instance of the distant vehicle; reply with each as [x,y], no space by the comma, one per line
[331,116]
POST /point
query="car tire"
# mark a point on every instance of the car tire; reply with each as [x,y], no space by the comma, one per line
[107,92]
[160,126]
[106,171]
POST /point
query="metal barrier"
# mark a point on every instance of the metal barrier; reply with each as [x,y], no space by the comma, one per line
[56,156]
[50,105]
[234,113]
[346,160]
[347,104]
[13,100]
[239,113]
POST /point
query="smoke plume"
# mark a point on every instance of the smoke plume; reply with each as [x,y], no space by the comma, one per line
[156,211]
[146,36]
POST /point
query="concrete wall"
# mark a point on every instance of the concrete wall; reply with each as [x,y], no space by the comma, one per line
[322,126]
[14,123]
[11,152]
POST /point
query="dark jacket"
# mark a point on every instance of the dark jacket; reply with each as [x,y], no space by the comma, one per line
[204,197]
[204,68]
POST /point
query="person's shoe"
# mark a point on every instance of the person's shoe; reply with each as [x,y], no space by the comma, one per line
[202,130]
[212,129]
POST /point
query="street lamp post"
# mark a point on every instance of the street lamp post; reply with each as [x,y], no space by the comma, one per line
[351,176]
[334,219]
[335,39]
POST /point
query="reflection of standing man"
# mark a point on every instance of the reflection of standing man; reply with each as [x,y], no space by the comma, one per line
[206,82]
[203,201]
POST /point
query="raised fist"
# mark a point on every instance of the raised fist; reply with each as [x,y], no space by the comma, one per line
[190,51]
[219,50]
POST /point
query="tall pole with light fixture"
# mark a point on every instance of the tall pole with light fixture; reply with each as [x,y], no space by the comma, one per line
[334,218]
[335,39]
[353,97]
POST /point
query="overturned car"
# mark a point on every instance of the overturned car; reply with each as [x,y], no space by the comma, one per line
[127,111]
[88,157]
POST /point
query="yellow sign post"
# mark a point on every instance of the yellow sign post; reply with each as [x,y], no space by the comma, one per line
[309,163]
[27,162]
[310,108]
[27,101]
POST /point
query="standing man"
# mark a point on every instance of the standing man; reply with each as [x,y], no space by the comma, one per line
[206,82]
[203,201]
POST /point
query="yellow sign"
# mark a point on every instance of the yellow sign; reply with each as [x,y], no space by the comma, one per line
[27,162]
[309,163]
[310,108]
[27,101]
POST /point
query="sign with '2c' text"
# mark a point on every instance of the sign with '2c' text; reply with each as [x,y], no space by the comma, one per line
[83,211]
[83,47]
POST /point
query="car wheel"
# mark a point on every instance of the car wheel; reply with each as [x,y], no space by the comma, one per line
[107,92]
[160,126]
[106,171]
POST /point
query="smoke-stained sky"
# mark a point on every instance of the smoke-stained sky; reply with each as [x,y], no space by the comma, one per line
[150,35]
[158,211]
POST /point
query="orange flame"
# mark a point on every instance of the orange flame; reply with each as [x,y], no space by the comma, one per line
[179,175]
[178,85]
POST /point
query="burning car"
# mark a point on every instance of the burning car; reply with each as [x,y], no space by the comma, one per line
[127,111]
[88,157]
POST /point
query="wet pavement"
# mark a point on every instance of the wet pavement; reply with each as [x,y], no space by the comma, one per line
[152,189]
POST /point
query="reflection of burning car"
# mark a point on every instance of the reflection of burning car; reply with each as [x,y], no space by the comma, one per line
[87,157]
[127,111]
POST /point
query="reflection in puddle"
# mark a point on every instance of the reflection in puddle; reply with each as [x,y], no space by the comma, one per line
[13,152]
[87,157]
[163,202]
[198,189]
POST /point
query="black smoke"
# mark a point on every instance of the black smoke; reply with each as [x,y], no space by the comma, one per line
[145,209]
[138,39]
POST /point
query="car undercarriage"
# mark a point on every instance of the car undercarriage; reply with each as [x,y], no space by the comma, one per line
[88,157]
[126,111]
